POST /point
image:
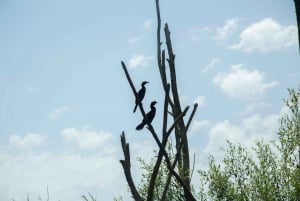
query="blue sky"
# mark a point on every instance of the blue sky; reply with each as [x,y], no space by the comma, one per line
[65,99]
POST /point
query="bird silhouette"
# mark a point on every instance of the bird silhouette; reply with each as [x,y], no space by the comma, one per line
[140,95]
[150,116]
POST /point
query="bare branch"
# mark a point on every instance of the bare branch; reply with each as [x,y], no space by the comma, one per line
[193,168]
[178,154]
[165,120]
[180,136]
[166,135]
[159,158]
[178,124]
[158,34]
[160,62]
[139,103]
[160,154]
[151,129]
[297,7]
[191,117]
[126,167]
[178,118]
[129,80]
[48,196]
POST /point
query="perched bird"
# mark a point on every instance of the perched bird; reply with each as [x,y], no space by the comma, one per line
[140,95]
[150,115]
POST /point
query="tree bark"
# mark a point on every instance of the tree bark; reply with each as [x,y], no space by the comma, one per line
[297,7]
[180,130]
[127,169]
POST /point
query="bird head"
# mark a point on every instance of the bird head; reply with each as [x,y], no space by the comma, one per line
[153,103]
[144,83]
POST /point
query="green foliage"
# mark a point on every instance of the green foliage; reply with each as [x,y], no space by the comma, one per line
[271,173]
[89,198]
[118,198]
[175,192]
[268,172]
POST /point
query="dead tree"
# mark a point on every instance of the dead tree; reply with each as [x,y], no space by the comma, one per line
[179,168]
[297,10]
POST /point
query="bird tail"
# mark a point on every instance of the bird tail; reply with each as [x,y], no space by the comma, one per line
[135,108]
[140,126]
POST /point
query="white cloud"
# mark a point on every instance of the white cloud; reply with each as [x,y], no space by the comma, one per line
[148,25]
[185,98]
[259,126]
[86,138]
[133,40]
[182,96]
[229,27]
[29,141]
[195,32]
[68,176]
[211,65]
[241,83]
[253,107]
[197,125]
[144,149]
[221,132]
[200,100]
[265,36]
[31,89]
[58,112]
[252,128]
[139,60]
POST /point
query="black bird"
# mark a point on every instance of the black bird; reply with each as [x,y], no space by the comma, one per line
[150,115]
[140,95]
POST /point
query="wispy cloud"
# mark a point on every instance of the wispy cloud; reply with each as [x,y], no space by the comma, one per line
[148,25]
[227,29]
[195,32]
[19,167]
[197,125]
[211,65]
[61,173]
[200,100]
[183,96]
[29,141]
[31,89]
[139,60]
[87,138]
[250,129]
[265,36]
[57,113]
[134,40]
[252,107]
[241,83]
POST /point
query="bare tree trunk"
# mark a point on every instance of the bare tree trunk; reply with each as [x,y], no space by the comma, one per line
[297,7]
[160,145]
[180,135]
[181,161]
[127,169]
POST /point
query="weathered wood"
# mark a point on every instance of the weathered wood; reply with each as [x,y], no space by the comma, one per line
[127,169]
[297,7]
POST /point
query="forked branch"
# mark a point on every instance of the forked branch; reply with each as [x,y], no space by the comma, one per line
[127,168]
[155,136]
